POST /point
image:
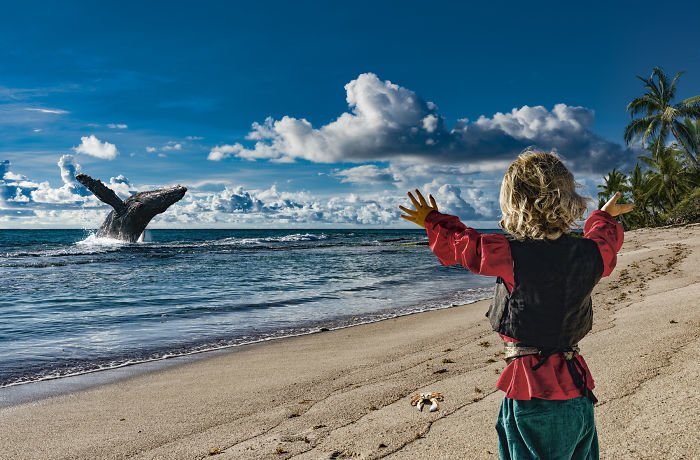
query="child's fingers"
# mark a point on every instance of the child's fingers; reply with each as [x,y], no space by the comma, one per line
[625,208]
[611,202]
[433,204]
[408,211]
[611,206]
[413,200]
[409,218]
[614,198]
[420,198]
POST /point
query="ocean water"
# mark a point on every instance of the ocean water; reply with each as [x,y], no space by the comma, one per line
[72,303]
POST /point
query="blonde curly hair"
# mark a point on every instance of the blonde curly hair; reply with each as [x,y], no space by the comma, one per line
[538,197]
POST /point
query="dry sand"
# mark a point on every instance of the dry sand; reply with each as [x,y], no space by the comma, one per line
[345,393]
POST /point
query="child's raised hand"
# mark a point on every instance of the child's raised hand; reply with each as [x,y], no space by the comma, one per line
[614,209]
[422,210]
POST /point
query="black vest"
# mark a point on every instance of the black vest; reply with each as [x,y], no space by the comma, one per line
[550,306]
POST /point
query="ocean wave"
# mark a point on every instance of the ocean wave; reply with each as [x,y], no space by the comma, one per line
[271,239]
[80,367]
[93,244]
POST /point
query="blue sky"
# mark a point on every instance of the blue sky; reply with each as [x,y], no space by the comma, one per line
[148,94]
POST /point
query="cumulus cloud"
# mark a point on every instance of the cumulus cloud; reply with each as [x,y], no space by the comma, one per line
[171,146]
[272,207]
[121,186]
[30,202]
[224,151]
[72,192]
[365,174]
[469,203]
[69,169]
[18,190]
[387,122]
[91,145]
[14,188]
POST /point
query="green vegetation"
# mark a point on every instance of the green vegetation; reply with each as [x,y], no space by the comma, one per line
[665,182]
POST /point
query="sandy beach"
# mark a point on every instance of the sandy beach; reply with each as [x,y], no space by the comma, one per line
[345,393]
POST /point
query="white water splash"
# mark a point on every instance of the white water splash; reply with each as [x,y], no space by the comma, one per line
[100,243]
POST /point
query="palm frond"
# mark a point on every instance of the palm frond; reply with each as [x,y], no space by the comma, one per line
[688,111]
[653,129]
[693,127]
[683,134]
[638,128]
[646,103]
[688,142]
[672,88]
[690,101]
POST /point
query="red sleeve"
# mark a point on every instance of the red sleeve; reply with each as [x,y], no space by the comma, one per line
[608,234]
[483,254]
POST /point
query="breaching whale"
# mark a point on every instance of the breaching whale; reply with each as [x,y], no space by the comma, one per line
[129,217]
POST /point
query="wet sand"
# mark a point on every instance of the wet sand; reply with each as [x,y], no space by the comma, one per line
[345,393]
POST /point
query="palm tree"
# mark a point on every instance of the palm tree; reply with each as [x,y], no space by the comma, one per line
[668,181]
[615,181]
[693,128]
[644,213]
[661,116]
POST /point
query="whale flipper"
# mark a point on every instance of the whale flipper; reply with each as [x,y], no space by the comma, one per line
[101,191]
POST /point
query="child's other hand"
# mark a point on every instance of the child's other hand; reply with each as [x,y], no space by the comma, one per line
[614,209]
[422,208]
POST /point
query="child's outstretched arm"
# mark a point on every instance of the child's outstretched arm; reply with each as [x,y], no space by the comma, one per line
[608,234]
[455,243]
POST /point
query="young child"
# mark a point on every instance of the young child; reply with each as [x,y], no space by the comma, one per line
[542,303]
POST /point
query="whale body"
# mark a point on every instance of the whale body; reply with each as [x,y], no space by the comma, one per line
[129,218]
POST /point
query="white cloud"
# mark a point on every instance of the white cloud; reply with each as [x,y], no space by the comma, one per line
[224,151]
[69,168]
[387,122]
[121,186]
[117,125]
[91,145]
[272,207]
[171,146]
[61,195]
[194,138]
[17,189]
[430,123]
[49,111]
[365,174]
[25,202]
[19,196]
[71,192]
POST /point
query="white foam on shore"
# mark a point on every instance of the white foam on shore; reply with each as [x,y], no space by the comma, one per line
[478,295]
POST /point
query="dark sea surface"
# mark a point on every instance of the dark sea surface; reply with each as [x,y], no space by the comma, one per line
[72,303]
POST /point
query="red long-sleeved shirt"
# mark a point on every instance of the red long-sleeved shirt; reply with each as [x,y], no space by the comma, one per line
[489,254]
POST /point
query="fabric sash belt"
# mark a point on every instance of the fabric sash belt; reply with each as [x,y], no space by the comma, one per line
[515,350]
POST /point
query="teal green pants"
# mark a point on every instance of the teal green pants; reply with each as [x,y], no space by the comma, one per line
[540,429]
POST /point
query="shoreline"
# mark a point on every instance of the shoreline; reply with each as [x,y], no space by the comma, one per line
[58,385]
[345,393]
[332,324]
